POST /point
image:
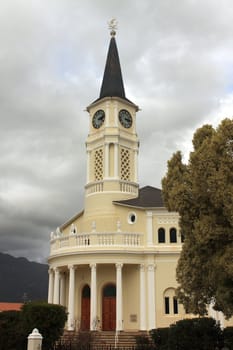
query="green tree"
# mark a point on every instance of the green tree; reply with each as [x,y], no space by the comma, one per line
[202,192]
[15,326]
[49,319]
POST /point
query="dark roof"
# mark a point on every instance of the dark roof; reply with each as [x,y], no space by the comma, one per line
[148,197]
[112,84]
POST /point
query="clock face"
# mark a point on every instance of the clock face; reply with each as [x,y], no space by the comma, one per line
[125,118]
[98,119]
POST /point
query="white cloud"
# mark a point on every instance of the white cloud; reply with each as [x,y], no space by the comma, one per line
[177,66]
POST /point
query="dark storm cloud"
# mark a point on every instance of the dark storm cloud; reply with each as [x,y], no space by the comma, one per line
[177,66]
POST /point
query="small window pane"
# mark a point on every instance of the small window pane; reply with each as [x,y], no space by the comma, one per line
[161,234]
[167,311]
[86,292]
[175,306]
[173,238]
[110,290]
[133,218]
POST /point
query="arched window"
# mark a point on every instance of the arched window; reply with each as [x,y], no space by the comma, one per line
[161,235]
[170,302]
[173,235]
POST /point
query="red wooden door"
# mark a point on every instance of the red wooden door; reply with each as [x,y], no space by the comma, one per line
[85,309]
[109,314]
[109,308]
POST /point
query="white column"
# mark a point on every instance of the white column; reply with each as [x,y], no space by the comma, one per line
[119,297]
[93,298]
[142,298]
[56,286]
[149,228]
[106,160]
[63,289]
[51,286]
[151,296]
[116,160]
[71,298]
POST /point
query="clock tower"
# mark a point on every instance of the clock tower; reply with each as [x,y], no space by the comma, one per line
[112,143]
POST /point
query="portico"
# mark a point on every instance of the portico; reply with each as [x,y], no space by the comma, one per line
[104,293]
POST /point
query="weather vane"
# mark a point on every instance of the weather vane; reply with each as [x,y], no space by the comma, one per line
[112,25]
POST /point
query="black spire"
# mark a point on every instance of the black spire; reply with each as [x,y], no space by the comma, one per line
[112,84]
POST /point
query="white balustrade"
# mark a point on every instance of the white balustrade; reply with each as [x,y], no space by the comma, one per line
[96,239]
[132,239]
[64,241]
[94,187]
[83,240]
[128,187]
[106,239]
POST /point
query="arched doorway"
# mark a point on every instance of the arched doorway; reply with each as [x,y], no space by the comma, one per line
[85,308]
[109,308]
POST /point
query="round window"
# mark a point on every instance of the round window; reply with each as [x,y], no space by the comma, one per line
[132,218]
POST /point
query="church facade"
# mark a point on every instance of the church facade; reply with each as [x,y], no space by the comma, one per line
[113,264]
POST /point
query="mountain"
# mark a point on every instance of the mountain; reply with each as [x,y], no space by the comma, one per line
[22,280]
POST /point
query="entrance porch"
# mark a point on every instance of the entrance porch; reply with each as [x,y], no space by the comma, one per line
[106,297]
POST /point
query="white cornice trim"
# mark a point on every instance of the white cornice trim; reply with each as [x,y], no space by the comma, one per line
[122,100]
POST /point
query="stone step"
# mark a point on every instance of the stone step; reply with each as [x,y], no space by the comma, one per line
[105,338]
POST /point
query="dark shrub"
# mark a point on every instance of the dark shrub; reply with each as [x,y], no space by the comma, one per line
[159,337]
[49,319]
[12,334]
[228,337]
[143,342]
[196,334]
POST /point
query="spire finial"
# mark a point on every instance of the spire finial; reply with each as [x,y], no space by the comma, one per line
[112,25]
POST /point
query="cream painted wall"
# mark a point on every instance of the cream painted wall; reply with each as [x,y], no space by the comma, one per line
[131,303]
[165,279]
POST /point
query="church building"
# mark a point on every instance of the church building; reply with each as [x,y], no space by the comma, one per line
[113,265]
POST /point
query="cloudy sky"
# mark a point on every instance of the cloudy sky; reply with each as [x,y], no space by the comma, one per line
[177,65]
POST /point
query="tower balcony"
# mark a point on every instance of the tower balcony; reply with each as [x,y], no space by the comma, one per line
[108,185]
